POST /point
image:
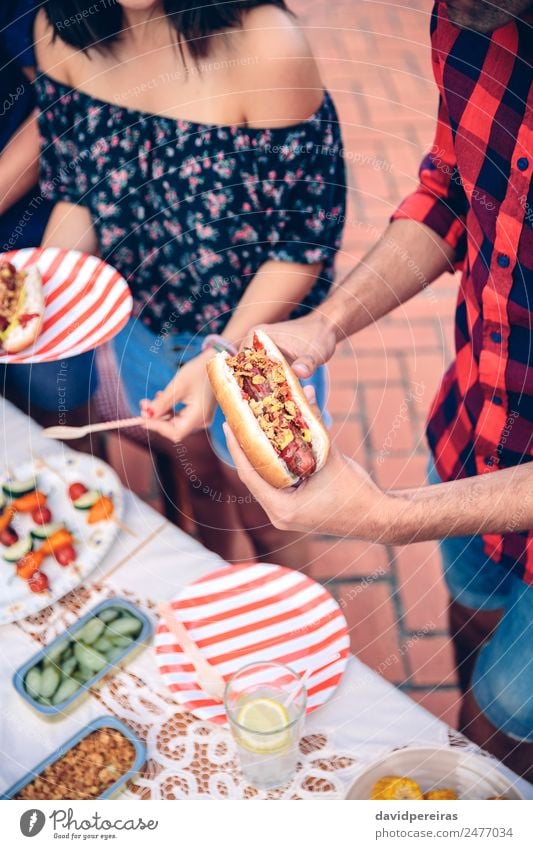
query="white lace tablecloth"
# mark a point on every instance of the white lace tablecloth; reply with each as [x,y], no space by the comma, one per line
[187,758]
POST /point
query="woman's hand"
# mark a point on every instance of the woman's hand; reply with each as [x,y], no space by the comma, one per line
[341,499]
[190,387]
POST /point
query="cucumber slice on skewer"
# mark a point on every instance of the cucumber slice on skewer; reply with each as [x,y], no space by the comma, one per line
[45,531]
[18,549]
[87,500]
[14,488]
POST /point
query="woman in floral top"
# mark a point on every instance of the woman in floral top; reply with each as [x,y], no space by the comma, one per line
[198,153]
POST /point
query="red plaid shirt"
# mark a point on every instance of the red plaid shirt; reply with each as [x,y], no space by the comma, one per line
[475,191]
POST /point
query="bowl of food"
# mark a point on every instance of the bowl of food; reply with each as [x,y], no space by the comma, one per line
[433,774]
[59,675]
[94,764]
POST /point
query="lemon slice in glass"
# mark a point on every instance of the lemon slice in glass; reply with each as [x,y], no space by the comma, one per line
[263,724]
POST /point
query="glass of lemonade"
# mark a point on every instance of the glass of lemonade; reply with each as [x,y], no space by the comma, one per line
[265,704]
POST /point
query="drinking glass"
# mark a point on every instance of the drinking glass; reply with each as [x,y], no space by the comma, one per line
[265,704]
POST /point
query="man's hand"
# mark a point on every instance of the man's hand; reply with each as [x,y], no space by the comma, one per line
[306,342]
[340,499]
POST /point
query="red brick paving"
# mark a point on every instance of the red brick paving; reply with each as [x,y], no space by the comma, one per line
[390,416]
[374,59]
[349,436]
[402,472]
[444,703]
[340,560]
[431,660]
[425,600]
[371,616]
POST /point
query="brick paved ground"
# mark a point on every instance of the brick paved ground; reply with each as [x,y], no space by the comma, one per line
[375,60]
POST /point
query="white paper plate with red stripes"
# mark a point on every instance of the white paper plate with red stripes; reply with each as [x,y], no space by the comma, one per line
[87,302]
[249,613]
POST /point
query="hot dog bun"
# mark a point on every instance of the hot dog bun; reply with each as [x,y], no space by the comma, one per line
[253,441]
[19,336]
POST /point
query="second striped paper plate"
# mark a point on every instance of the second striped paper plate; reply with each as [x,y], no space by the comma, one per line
[251,613]
[86,300]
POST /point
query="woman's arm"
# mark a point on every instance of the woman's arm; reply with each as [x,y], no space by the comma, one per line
[277,288]
[70,226]
[19,163]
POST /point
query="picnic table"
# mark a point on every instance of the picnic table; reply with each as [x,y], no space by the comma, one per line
[188,758]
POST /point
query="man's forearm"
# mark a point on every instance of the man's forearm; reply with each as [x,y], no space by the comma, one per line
[407,258]
[495,503]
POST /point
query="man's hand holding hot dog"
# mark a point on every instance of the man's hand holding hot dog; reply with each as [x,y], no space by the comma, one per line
[342,499]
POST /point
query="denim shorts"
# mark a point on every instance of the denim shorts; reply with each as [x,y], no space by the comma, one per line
[58,386]
[147,363]
[502,681]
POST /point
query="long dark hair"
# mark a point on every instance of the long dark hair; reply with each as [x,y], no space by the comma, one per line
[97,23]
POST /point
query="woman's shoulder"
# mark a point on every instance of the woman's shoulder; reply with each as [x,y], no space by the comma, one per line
[54,57]
[281,83]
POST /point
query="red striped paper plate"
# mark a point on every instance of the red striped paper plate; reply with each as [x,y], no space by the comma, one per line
[251,613]
[87,302]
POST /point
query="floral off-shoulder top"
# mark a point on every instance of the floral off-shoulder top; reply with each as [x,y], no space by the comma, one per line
[189,212]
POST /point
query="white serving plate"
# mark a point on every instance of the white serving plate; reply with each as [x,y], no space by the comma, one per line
[92,541]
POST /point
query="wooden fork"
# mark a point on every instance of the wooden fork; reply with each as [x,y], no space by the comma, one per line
[67,432]
[209,679]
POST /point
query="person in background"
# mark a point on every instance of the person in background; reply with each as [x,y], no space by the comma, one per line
[198,152]
[472,210]
[19,135]
[52,393]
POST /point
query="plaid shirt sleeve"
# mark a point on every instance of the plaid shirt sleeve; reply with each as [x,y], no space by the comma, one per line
[439,201]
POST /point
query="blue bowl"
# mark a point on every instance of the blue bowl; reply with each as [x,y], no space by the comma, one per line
[53,710]
[100,722]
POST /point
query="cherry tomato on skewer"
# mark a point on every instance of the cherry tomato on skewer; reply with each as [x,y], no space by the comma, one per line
[65,555]
[76,490]
[41,515]
[9,536]
[38,583]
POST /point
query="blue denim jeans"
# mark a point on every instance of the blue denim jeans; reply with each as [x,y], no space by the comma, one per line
[57,386]
[147,362]
[502,680]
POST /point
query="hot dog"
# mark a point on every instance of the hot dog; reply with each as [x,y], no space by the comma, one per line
[266,408]
[21,307]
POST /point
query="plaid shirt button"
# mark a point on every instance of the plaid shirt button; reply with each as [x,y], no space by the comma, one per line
[503,261]
[522,163]
[496,337]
